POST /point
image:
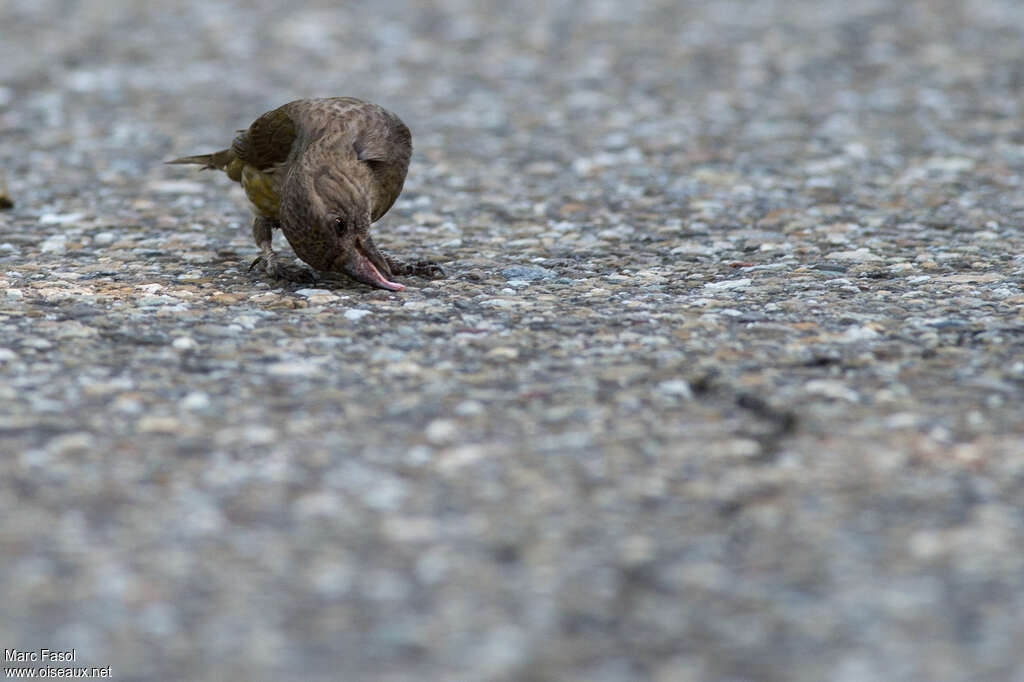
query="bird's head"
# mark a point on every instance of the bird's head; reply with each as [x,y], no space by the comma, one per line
[326,214]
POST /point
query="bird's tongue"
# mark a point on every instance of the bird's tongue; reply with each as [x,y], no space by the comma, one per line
[381,281]
[372,276]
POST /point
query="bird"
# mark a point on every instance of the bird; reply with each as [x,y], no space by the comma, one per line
[322,170]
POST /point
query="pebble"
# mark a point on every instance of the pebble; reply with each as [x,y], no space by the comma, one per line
[355,314]
[742,448]
[527,273]
[467,408]
[676,387]
[196,401]
[503,353]
[832,389]
[158,424]
[296,368]
[858,255]
[60,219]
[856,334]
[177,187]
[441,431]
[71,443]
[56,244]
[729,284]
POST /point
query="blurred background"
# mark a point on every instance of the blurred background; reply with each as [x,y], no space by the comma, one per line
[116,85]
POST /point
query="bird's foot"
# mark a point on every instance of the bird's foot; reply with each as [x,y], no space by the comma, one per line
[271,264]
[421,268]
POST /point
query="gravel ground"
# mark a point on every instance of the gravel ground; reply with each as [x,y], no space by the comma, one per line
[723,382]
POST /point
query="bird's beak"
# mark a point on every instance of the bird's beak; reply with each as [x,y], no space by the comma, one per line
[365,264]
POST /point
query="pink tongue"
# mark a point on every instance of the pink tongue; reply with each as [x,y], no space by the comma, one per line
[380,280]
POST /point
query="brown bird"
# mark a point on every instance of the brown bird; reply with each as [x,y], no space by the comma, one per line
[322,170]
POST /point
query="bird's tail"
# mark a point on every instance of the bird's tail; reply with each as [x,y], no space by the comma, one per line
[216,161]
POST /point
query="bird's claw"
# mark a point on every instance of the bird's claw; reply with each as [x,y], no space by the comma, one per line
[274,268]
[421,268]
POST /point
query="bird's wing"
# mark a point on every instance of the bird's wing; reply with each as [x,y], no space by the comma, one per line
[268,141]
[384,144]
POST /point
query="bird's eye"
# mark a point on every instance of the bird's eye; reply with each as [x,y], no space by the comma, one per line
[340,223]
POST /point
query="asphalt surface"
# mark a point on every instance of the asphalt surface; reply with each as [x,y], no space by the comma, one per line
[723,383]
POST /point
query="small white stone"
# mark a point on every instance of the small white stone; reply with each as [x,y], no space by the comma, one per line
[33,458]
[158,424]
[294,369]
[259,434]
[729,284]
[467,408]
[356,314]
[424,218]
[832,389]
[104,238]
[314,292]
[14,293]
[441,431]
[196,401]
[854,334]
[951,164]
[184,343]
[857,255]
[692,249]
[453,459]
[499,303]
[58,243]
[676,387]
[154,301]
[385,493]
[127,404]
[743,448]
[177,187]
[419,455]
[60,218]
[637,549]
[70,443]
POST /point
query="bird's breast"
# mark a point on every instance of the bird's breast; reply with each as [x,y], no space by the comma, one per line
[262,189]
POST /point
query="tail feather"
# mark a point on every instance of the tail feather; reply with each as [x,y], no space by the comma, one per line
[216,161]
